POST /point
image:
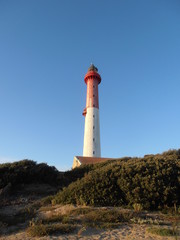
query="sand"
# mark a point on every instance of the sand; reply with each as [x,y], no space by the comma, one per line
[124,232]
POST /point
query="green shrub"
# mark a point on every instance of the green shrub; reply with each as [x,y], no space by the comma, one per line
[152,182]
[28,171]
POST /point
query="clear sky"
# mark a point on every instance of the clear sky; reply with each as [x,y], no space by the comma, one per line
[46,48]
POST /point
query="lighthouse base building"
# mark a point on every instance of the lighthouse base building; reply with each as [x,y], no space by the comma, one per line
[92,147]
[80,160]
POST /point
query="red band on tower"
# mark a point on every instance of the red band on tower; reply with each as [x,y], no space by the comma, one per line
[92,79]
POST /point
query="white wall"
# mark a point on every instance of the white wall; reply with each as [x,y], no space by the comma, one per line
[92,147]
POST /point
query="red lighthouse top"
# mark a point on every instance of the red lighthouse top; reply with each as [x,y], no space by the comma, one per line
[92,74]
[92,79]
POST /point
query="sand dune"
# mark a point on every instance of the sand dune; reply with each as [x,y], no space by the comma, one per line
[124,232]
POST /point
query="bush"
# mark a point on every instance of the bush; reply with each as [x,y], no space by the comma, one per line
[95,189]
[152,181]
[28,171]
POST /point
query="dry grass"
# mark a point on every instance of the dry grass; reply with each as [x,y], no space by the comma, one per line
[65,219]
[38,230]
[106,218]
[57,219]
[161,231]
[81,211]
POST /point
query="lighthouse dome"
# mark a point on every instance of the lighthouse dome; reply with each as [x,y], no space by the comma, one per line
[92,68]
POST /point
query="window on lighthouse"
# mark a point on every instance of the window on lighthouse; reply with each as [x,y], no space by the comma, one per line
[93,152]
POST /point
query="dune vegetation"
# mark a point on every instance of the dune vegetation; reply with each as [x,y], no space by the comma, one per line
[43,201]
[153,182]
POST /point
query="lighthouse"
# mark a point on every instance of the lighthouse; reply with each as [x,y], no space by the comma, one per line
[92,147]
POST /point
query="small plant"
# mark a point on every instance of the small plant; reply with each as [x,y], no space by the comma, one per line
[53,202]
[34,222]
[37,230]
[137,207]
[83,229]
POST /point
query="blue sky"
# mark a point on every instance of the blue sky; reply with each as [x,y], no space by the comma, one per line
[46,48]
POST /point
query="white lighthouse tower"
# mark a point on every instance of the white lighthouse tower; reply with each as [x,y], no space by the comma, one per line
[92,147]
